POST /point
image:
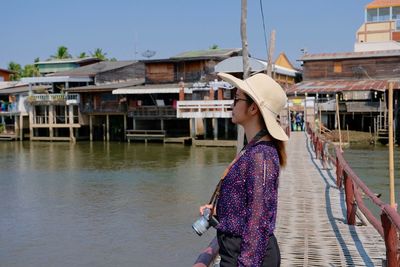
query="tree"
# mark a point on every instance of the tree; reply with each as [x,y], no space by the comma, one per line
[30,70]
[214,47]
[82,55]
[62,53]
[16,69]
[98,53]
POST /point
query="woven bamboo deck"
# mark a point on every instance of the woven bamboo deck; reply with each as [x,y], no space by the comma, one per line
[311,228]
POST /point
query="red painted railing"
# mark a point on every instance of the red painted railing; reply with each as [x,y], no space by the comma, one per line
[389,224]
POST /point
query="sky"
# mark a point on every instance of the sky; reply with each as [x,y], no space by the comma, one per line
[124,29]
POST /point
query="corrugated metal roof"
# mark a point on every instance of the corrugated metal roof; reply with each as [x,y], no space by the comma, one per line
[106,86]
[383,3]
[69,60]
[22,89]
[153,89]
[347,55]
[235,64]
[212,53]
[93,69]
[333,86]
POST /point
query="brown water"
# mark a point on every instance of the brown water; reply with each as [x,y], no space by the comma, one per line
[371,164]
[99,204]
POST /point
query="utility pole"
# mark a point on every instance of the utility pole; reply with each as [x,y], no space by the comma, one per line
[246,66]
[271,53]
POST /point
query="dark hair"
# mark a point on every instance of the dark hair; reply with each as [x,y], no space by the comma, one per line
[280,145]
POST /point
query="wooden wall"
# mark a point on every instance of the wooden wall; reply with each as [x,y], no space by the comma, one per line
[4,75]
[135,70]
[162,72]
[364,68]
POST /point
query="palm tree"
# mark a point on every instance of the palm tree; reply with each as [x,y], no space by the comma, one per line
[16,69]
[214,47]
[62,53]
[98,53]
[82,55]
[30,71]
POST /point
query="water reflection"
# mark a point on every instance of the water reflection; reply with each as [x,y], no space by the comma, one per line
[103,204]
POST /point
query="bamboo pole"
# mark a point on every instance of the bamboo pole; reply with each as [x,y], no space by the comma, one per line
[246,66]
[338,122]
[391,144]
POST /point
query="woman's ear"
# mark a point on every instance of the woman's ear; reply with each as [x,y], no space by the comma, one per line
[253,108]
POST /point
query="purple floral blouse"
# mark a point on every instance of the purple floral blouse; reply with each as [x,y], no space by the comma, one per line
[248,200]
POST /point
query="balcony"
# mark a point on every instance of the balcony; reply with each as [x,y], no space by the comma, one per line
[65,99]
[149,112]
[204,109]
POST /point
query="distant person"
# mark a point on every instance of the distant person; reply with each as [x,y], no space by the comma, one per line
[248,192]
[298,122]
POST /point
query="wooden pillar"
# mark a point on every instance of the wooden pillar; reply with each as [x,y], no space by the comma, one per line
[193,127]
[134,124]
[71,120]
[390,237]
[181,90]
[205,128]
[51,121]
[21,127]
[162,124]
[125,125]
[91,127]
[215,128]
[350,202]
[31,114]
[220,94]
[108,127]
[226,128]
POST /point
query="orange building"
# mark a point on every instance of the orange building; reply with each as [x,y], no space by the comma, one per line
[5,75]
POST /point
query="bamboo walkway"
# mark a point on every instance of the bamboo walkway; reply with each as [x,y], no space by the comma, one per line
[311,223]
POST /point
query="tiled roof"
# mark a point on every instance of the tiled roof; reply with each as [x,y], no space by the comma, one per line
[368,54]
[333,86]
[383,3]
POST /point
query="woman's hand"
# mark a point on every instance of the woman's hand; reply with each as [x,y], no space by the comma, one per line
[202,208]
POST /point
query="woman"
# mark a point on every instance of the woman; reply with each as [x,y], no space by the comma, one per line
[247,200]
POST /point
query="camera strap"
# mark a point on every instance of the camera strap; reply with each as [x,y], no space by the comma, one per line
[255,139]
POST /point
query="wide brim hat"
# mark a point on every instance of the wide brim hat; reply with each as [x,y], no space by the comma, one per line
[268,96]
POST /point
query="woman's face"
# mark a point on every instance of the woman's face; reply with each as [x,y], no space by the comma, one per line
[240,108]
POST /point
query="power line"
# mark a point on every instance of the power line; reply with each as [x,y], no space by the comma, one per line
[263,21]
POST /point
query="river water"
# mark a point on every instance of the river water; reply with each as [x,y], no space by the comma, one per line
[119,204]
[371,164]
[104,204]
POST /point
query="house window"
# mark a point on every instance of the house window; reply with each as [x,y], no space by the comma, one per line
[396,12]
[372,15]
[384,14]
[337,67]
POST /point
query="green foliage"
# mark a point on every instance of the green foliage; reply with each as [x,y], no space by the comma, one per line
[16,69]
[30,71]
[98,53]
[2,128]
[214,47]
[82,55]
[62,53]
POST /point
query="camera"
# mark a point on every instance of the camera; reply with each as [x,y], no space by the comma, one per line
[201,225]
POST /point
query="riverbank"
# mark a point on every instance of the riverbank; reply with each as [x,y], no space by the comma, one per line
[352,137]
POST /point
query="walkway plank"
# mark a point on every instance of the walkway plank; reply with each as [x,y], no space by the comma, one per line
[311,223]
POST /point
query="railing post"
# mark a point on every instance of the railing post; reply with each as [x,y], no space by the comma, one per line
[339,173]
[391,239]
[349,192]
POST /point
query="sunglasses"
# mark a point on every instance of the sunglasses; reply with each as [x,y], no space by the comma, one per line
[236,99]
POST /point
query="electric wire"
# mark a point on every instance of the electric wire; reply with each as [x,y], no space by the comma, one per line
[263,21]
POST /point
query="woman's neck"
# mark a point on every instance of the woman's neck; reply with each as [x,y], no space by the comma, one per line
[251,131]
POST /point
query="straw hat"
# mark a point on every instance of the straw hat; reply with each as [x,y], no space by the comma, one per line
[267,94]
